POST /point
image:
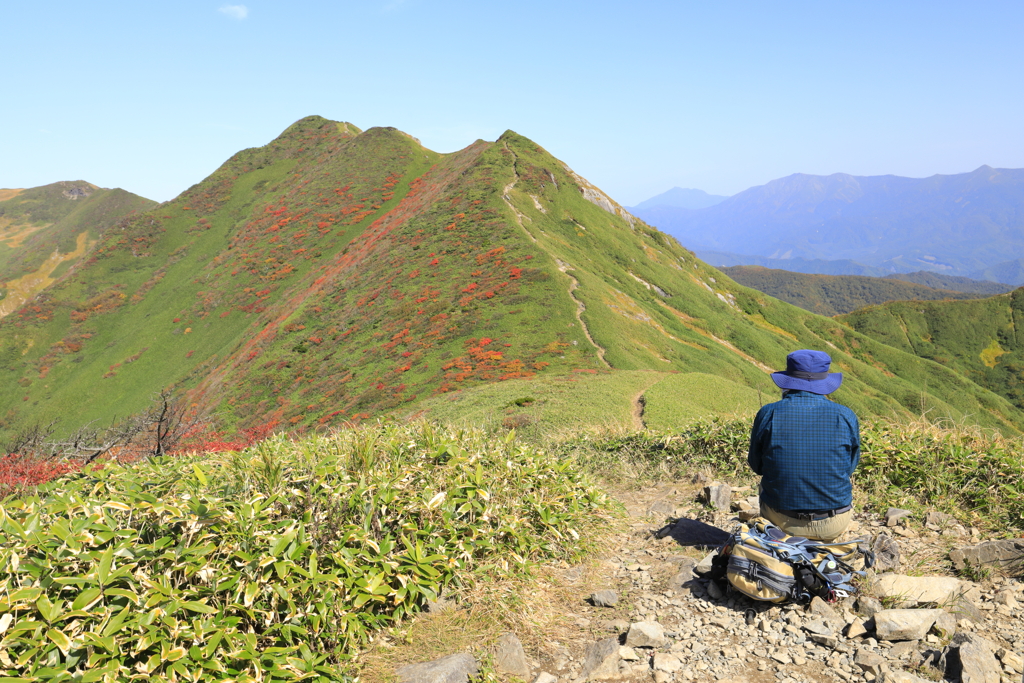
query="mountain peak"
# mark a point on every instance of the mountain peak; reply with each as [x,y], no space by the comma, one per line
[683,198]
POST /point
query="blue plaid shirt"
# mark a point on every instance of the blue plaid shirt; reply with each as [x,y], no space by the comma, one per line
[805,447]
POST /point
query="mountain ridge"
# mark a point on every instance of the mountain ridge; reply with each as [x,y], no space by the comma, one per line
[832,295]
[337,274]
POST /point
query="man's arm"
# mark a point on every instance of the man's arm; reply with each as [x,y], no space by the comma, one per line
[854,442]
[756,432]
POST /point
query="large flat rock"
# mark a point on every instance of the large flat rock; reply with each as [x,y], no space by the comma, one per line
[915,590]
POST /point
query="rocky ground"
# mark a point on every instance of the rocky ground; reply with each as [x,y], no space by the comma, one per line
[642,613]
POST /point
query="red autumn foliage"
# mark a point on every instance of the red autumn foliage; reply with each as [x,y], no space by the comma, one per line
[19,473]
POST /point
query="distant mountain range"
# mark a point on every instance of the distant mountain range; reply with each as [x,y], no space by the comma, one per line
[681,198]
[969,224]
[835,294]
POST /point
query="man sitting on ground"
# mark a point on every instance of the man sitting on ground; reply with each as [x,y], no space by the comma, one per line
[806,447]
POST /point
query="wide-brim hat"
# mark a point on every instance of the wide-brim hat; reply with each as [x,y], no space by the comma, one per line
[807,370]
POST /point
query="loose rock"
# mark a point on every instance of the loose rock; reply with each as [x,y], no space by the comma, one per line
[868,605]
[605,598]
[903,677]
[857,628]
[601,660]
[822,609]
[936,518]
[510,658]
[905,624]
[704,566]
[545,677]
[1005,597]
[661,508]
[904,648]
[1004,554]
[451,669]
[887,553]
[869,662]
[894,515]
[817,626]
[828,641]
[1011,660]
[977,660]
[914,590]
[718,496]
[646,634]
[628,654]
[669,663]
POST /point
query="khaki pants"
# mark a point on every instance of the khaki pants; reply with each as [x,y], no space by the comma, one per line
[827,529]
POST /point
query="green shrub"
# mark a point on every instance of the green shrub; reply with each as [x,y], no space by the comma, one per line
[276,563]
[976,476]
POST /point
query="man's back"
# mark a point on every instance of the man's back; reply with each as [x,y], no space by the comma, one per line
[805,447]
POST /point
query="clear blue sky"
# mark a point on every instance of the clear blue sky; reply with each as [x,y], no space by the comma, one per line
[636,96]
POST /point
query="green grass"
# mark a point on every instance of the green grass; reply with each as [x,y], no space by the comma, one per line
[276,563]
[680,399]
[60,221]
[961,335]
[546,406]
[553,407]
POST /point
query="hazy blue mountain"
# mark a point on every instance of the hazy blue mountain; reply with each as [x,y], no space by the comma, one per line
[953,224]
[681,198]
[720,259]
[1011,272]
[954,283]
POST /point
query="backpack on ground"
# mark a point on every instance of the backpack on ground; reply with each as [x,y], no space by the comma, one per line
[764,563]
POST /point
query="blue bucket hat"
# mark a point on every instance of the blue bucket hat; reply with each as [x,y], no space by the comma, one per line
[807,370]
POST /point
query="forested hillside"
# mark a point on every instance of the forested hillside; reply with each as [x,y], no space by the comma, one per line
[834,294]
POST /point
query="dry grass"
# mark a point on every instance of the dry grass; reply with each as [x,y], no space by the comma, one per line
[9,194]
[539,608]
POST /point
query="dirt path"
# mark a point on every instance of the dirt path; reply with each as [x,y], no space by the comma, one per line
[639,407]
[580,308]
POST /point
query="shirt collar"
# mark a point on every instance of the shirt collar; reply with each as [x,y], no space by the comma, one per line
[799,393]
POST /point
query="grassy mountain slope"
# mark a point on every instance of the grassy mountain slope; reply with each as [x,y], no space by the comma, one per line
[46,230]
[834,294]
[336,274]
[977,338]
